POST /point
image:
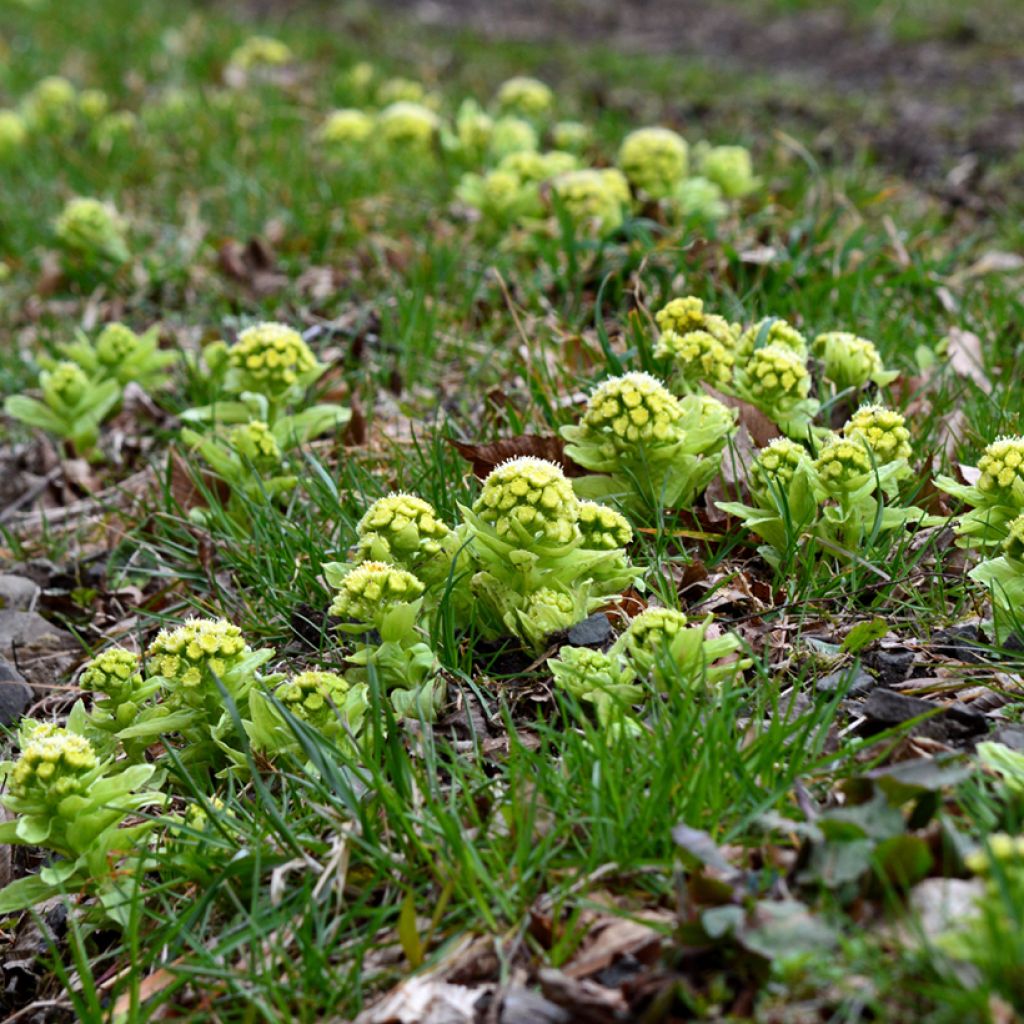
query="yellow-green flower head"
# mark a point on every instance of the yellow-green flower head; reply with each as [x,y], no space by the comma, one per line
[771,331]
[603,528]
[255,442]
[473,127]
[1013,546]
[371,588]
[777,464]
[776,377]
[54,764]
[260,51]
[716,418]
[529,165]
[13,134]
[501,192]
[1004,849]
[634,409]
[849,360]
[50,104]
[92,230]
[271,358]
[192,654]
[120,125]
[400,528]
[593,197]
[67,384]
[582,671]
[407,124]
[115,672]
[883,429]
[700,198]
[731,169]
[116,343]
[570,135]
[314,696]
[512,135]
[1002,466]
[360,76]
[548,611]
[526,96]
[93,103]
[529,495]
[400,90]
[652,630]
[681,315]
[654,160]
[697,355]
[843,465]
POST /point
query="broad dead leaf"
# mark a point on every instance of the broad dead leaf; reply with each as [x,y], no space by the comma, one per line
[425,999]
[760,428]
[485,457]
[965,357]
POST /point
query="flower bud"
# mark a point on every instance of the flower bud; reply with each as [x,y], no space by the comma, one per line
[597,198]
[884,430]
[843,466]
[529,500]
[654,160]
[255,442]
[345,128]
[50,106]
[115,673]
[527,97]
[771,332]
[1013,546]
[270,358]
[634,409]
[370,589]
[13,135]
[192,654]
[850,361]
[512,135]
[92,231]
[260,51]
[603,528]
[93,103]
[696,356]
[402,529]
[1002,470]
[777,464]
[697,197]
[314,697]
[66,386]
[54,764]
[775,378]
[730,168]
[570,135]
[652,631]
[407,125]
[400,90]
[116,344]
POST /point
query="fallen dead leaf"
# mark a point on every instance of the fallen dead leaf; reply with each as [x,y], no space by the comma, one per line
[963,349]
[485,457]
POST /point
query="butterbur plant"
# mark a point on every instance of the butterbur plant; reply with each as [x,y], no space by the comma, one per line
[653,450]
[69,800]
[605,681]
[851,361]
[542,559]
[120,354]
[996,497]
[91,234]
[323,701]
[72,407]
[381,605]
[655,160]
[1004,576]
[264,374]
[775,379]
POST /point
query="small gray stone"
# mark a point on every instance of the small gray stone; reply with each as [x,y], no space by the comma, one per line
[892,665]
[857,681]
[1011,736]
[18,593]
[16,695]
[22,629]
[592,632]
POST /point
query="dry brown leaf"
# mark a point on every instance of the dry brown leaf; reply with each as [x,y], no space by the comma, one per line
[612,938]
[760,428]
[963,349]
[425,999]
[484,457]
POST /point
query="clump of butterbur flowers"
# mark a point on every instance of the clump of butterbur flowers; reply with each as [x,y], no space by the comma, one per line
[529,559]
[660,654]
[837,499]
[648,449]
[91,235]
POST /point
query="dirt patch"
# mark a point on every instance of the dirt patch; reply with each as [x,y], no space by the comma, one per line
[928,104]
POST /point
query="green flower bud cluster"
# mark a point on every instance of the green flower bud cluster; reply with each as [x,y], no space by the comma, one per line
[654,160]
[634,409]
[652,630]
[407,125]
[255,442]
[771,331]
[191,655]
[91,231]
[1003,850]
[593,198]
[260,51]
[512,135]
[51,105]
[699,198]
[1013,546]
[400,90]
[367,592]
[843,466]
[271,358]
[883,430]
[115,673]
[93,103]
[777,464]
[347,127]
[1002,470]
[116,343]
[66,385]
[54,764]
[696,356]
[603,528]
[13,135]
[730,168]
[776,380]
[527,97]
[404,530]
[314,697]
[598,678]
[529,501]
[851,361]
[572,136]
